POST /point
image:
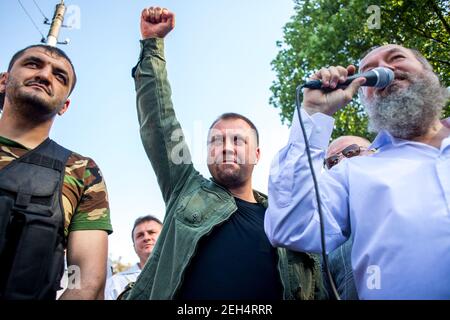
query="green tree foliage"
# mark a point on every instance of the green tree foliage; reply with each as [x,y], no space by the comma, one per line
[339,32]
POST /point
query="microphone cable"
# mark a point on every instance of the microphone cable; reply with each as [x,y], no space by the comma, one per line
[316,189]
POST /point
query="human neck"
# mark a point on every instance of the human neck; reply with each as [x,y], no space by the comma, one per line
[435,134]
[141,264]
[23,131]
[244,192]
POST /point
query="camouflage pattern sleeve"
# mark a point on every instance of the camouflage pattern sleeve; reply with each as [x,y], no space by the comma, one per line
[85,197]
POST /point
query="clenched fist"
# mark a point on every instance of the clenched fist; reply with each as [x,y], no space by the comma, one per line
[156,22]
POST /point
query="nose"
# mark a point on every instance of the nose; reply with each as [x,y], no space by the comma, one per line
[228,147]
[386,64]
[147,237]
[43,74]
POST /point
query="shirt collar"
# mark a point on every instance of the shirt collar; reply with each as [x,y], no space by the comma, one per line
[384,138]
[11,143]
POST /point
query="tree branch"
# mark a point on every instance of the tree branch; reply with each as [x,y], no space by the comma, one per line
[426,35]
[437,10]
[440,61]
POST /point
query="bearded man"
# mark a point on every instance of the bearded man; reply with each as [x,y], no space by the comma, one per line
[395,202]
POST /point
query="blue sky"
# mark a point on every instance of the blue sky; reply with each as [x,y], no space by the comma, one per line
[218,59]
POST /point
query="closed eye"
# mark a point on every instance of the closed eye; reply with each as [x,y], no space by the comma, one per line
[397,57]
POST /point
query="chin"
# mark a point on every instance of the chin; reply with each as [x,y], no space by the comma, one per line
[41,104]
[230,179]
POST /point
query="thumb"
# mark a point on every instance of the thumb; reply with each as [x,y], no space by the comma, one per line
[168,16]
[352,89]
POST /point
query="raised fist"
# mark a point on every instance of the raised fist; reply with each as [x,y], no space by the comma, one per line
[156,22]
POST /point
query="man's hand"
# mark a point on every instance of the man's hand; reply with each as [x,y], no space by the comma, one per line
[156,22]
[330,102]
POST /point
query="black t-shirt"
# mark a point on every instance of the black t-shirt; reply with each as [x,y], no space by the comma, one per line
[235,261]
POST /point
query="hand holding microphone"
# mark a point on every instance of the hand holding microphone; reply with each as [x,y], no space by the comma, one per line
[378,77]
[338,86]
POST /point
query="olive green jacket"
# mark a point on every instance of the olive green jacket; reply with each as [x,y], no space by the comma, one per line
[194,204]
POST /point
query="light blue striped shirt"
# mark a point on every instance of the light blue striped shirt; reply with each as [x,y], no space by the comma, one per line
[396,203]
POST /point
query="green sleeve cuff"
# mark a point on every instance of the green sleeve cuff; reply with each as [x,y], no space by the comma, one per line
[88,225]
[150,47]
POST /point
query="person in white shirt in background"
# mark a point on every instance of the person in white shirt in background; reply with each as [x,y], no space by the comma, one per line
[145,233]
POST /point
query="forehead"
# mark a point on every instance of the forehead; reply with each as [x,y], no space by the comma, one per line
[46,56]
[340,144]
[231,126]
[147,225]
[379,53]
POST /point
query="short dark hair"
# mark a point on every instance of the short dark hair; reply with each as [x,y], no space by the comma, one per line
[143,219]
[232,115]
[53,50]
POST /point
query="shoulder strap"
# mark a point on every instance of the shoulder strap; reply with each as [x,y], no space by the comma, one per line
[48,154]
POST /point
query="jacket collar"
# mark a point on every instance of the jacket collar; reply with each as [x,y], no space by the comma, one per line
[259,196]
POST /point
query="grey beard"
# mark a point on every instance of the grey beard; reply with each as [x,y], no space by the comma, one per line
[408,113]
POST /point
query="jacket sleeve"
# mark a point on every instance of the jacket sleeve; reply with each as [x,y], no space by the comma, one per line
[292,220]
[161,133]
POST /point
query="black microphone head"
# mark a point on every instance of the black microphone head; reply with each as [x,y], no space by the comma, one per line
[385,76]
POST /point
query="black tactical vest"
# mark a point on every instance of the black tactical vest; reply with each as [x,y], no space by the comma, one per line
[32,223]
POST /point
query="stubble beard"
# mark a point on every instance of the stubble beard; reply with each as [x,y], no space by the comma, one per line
[31,106]
[230,178]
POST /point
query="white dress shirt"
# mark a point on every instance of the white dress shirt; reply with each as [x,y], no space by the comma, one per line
[117,283]
[396,203]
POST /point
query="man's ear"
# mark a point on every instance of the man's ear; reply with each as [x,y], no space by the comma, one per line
[3,78]
[258,155]
[64,108]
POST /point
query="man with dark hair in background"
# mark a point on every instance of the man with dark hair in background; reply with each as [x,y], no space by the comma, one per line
[50,198]
[144,234]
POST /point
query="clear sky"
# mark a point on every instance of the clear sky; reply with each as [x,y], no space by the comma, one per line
[218,59]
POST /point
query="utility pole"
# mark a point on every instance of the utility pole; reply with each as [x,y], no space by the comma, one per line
[57,21]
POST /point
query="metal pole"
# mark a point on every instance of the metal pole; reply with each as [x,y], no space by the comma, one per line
[58,18]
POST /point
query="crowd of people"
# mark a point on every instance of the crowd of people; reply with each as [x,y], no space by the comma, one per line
[385,204]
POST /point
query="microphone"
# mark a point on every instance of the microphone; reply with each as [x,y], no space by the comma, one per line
[378,77]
